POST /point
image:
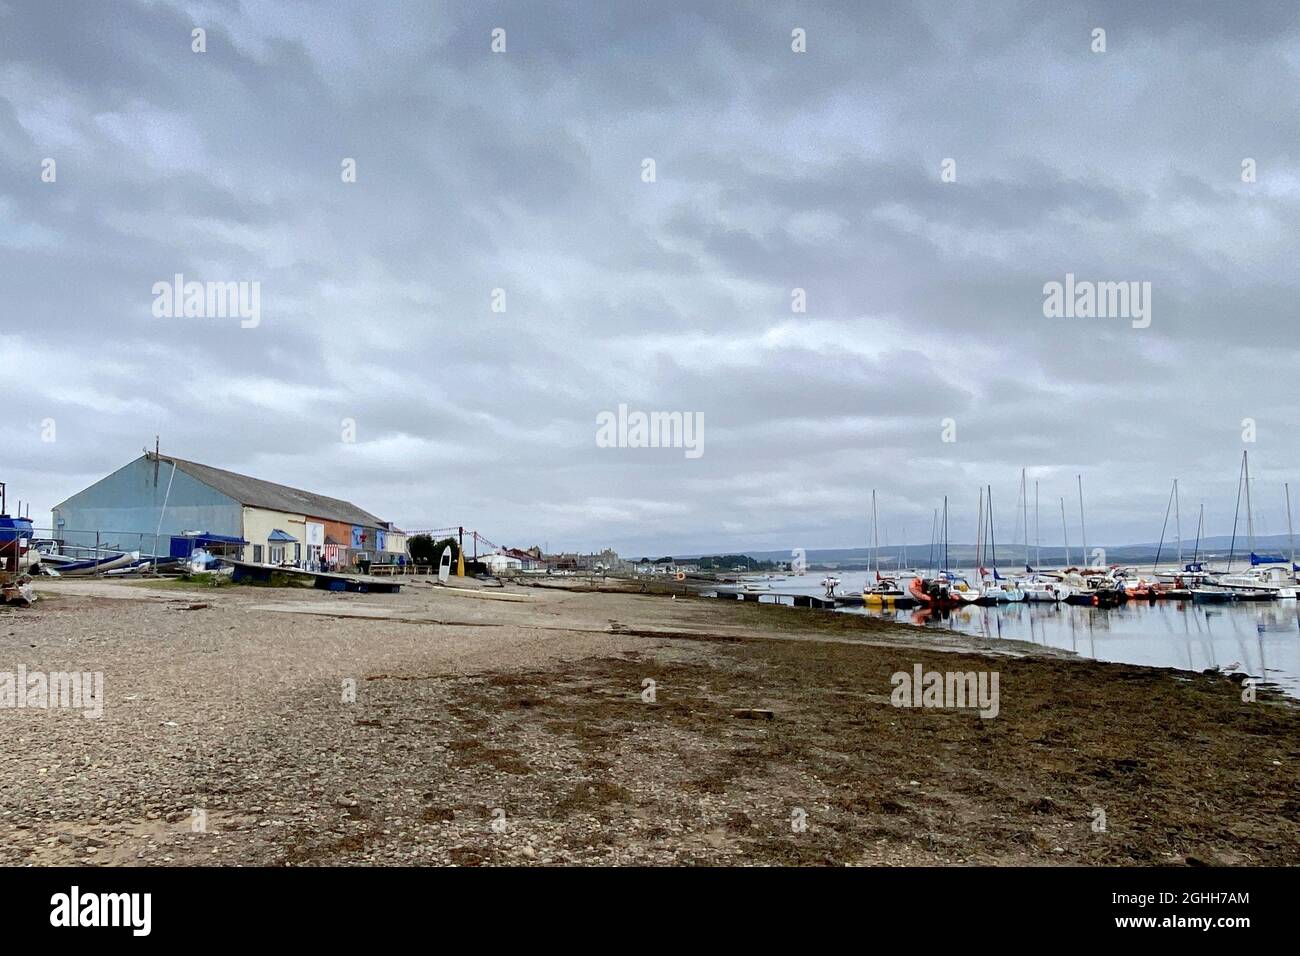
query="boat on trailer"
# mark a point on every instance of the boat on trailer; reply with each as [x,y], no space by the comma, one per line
[99,565]
[15,536]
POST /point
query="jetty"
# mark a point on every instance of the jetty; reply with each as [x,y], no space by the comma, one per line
[789,600]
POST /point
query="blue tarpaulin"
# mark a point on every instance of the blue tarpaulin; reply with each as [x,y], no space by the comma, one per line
[183,545]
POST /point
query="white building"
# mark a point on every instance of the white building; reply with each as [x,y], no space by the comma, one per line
[497,562]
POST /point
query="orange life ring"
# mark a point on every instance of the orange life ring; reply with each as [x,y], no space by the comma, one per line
[680,576]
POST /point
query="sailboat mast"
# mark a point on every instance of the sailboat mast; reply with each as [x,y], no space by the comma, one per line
[1038,541]
[1024,512]
[934,533]
[1163,528]
[945,532]
[1236,513]
[1066,532]
[1250,515]
[1178,525]
[875,537]
[1083,528]
[993,541]
[1196,552]
[1289,535]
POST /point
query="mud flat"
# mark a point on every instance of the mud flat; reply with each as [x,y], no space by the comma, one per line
[524,732]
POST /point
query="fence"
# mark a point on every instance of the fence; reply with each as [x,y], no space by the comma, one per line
[99,545]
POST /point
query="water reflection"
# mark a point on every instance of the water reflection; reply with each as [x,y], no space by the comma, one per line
[1259,638]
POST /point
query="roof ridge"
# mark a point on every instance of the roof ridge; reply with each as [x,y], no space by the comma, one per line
[263,493]
[240,474]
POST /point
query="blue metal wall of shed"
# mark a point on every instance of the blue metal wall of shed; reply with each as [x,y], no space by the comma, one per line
[125,506]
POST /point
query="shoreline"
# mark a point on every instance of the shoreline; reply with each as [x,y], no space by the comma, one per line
[762,720]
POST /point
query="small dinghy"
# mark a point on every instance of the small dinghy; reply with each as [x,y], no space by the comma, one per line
[99,565]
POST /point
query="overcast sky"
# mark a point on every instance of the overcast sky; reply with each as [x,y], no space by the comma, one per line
[774,170]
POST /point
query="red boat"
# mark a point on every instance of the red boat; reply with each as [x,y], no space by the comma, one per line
[934,593]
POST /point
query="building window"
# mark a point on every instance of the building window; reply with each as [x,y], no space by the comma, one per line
[257,554]
[297,553]
[277,555]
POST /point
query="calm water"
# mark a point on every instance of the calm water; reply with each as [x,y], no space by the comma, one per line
[1261,638]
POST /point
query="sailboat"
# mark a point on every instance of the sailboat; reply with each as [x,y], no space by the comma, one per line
[883,592]
[995,588]
[1266,579]
[1182,583]
[942,591]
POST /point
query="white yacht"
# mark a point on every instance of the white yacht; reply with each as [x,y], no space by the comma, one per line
[1275,581]
[1001,592]
[1044,590]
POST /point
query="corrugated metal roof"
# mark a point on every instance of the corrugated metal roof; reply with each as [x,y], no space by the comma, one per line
[267,494]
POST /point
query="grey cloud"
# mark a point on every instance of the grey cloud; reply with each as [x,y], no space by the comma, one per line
[776,170]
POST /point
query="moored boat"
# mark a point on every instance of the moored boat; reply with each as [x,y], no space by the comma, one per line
[999,592]
[1044,590]
[885,593]
[1271,582]
[936,593]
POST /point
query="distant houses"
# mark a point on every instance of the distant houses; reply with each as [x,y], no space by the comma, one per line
[505,560]
[162,505]
[607,560]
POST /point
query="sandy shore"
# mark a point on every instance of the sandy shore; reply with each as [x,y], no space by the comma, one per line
[517,727]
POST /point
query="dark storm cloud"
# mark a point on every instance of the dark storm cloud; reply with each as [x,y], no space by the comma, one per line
[775,171]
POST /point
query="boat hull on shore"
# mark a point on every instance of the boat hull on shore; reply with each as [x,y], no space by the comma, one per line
[98,565]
